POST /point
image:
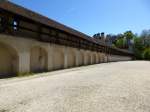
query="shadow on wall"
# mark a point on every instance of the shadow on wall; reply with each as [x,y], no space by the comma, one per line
[2,76]
[38,60]
[8,60]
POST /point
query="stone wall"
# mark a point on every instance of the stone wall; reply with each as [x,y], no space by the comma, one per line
[114,58]
[22,55]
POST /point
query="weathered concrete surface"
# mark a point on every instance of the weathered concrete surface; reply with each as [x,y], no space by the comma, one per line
[114,87]
[24,55]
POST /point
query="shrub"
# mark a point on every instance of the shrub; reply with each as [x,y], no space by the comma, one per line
[146,54]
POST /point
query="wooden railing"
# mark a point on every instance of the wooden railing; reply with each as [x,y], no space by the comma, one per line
[16,25]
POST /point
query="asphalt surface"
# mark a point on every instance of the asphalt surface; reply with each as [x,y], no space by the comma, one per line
[111,87]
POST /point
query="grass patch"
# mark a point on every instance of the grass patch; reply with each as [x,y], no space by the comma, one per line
[25,74]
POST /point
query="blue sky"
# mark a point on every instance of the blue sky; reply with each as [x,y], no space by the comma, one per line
[92,16]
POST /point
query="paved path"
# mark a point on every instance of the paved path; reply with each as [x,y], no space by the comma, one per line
[113,87]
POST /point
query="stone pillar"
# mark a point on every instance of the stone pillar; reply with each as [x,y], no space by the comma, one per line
[102,58]
[65,57]
[99,58]
[106,58]
[85,58]
[109,58]
[97,61]
[50,58]
[91,55]
[77,57]
[24,62]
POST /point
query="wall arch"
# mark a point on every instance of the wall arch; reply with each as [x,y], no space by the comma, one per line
[99,58]
[94,59]
[38,59]
[103,58]
[58,59]
[71,59]
[88,59]
[9,60]
[81,58]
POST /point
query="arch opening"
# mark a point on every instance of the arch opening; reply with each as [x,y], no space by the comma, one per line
[58,60]
[99,58]
[71,59]
[9,61]
[81,58]
[94,59]
[38,59]
[88,59]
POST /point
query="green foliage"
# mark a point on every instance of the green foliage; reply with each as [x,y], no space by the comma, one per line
[140,45]
[146,54]
[129,35]
[113,45]
[141,50]
[123,40]
[119,43]
[138,48]
[145,35]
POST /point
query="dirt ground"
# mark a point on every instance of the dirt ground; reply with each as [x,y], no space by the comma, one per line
[109,87]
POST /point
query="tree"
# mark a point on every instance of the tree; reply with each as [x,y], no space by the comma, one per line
[119,36]
[146,54]
[145,35]
[138,48]
[129,35]
[120,43]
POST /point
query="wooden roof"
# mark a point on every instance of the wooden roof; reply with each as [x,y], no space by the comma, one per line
[21,11]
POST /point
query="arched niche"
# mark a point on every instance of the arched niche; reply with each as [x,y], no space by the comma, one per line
[58,59]
[9,60]
[71,59]
[81,58]
[38,59]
